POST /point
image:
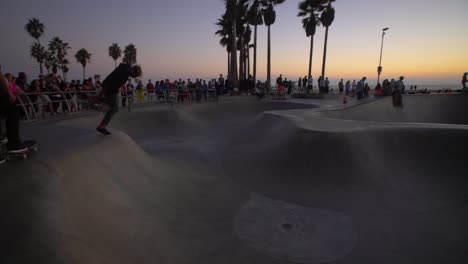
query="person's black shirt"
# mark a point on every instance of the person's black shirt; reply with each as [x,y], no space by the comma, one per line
[117,78]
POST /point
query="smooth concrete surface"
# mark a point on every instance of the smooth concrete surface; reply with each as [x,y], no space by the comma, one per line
[240,181]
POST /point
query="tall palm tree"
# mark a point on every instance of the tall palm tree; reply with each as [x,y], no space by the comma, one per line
[309,9]
[246,39]
[39,53]
[231,15]
[36,29]
[255,19]
[269,16]
[225,32]
[83,57]
[327,18]
[115,52]
[59,51]
[130,54]
[242,32]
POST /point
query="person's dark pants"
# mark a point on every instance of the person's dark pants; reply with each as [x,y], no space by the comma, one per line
[10,112]
[111,101]
[124,100]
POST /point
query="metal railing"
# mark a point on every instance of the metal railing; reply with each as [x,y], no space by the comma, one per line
[37,106]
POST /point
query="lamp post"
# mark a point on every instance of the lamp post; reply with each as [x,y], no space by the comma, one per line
[379,69]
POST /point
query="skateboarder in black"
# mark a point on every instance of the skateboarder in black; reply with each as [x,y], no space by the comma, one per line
[9,111]
[111,87]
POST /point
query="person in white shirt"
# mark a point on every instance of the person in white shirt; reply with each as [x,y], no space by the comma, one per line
[310,84]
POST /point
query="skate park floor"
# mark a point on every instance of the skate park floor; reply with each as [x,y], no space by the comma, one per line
[241,181]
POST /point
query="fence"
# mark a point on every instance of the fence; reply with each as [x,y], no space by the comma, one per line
[36,106]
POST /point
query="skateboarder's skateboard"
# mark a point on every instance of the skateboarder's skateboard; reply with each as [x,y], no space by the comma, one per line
[30,145]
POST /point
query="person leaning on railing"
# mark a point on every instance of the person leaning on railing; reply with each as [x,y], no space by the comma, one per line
[9,111]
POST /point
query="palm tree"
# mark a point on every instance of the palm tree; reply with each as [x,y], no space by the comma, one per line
[130,54]
[231,15]
[36,29]
[255,19]
[327,18]
[83,57]
[269,16]
[39,53]
[115,52]
[242,32]
[225,31]
[309,9]
[59,52]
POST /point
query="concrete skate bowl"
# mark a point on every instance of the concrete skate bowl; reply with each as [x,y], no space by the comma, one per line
[442,109]
[231,183]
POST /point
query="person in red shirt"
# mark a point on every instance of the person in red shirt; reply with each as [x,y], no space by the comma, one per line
[123,93]
[150,90]
[378,90]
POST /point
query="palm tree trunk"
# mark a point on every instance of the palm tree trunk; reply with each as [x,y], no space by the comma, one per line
[241,65]
[229,63]
[310,56]
[325,53]
[233,75]
[84,72]
[115,64]
[269,60]
[248,62]
[255,55]
[40,68]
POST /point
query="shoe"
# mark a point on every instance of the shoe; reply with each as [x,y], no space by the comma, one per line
[18,148]
[103,131]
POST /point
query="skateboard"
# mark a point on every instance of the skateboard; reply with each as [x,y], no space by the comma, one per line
[31,145]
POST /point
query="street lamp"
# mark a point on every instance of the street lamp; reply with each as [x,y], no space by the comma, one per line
[379,69]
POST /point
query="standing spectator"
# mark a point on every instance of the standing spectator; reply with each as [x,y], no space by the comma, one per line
[140,92]
[130,89]
[310,84]
[322,84]
[348,87]
[400,85]
[150,89]
[123,94]
[34,89]
[465,80]
[366,90]
[327,85]
[279,81]
[221,83]
[360,88]
[304,82]
[393,86]
[10,111]
[353,87]
[378,90]
[341,86]
[299,84]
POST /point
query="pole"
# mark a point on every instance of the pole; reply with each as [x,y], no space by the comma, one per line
[379,69]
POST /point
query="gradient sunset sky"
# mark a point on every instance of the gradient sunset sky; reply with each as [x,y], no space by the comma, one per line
[427,41]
